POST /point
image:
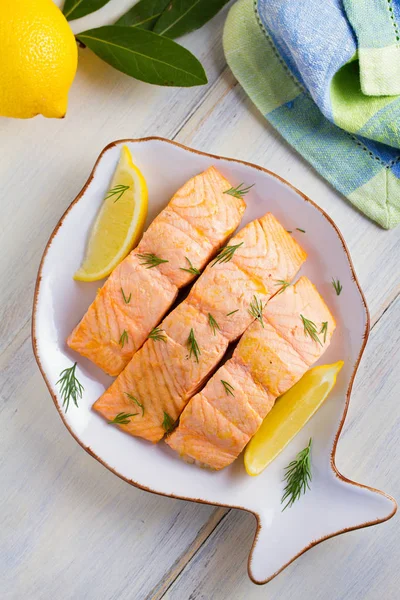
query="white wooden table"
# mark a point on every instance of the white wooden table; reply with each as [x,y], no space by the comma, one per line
[69,529]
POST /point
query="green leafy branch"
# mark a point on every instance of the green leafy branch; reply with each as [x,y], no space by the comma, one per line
[140,44]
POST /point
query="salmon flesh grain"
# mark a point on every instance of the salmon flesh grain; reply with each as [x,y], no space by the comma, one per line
[166,372]
[188,232]
[272,355]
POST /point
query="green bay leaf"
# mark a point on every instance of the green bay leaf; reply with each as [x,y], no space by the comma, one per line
[183,16]
[145,55]
[144,14]
[74,9]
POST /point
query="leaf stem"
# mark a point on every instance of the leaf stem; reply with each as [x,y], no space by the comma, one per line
[122,418]
[226,253]
[70,387]
[193,346]
[337,286]
[310,329]
[157,334]
[213,323]
[191,268]
[239,191]
[168,423]
[151,260]
[256,308]
[297,476]
[229,389]
[126,300]
[123,339]
[136,401]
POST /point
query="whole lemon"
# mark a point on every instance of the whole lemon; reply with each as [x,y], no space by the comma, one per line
[38,59]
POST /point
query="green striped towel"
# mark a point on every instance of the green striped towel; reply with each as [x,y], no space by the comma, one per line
[321,74]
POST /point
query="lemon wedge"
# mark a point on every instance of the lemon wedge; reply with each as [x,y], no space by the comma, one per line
[120,221]
[290,413]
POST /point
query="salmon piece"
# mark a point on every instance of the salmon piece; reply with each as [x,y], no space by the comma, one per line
[192,445]
[272,361]
[256,270]
[98,335]
[266,363]
[221,432]
[202,202]
[188,245]
[257,396]
[189,315]
[276,258]
[194,225]
[165,374]
[218,394]
[226,293]
[215,426]
[284,314]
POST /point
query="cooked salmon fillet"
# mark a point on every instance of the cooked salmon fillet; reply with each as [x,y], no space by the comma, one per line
[189,231]
[266,255]
[218,422]
[165,373]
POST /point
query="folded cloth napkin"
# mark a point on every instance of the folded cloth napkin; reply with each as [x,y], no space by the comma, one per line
[326,75]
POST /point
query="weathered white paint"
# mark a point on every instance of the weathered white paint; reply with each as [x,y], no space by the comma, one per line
[361,565]
[70,529]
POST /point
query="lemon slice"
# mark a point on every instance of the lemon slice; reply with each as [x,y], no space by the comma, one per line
[120,222]
[290,413]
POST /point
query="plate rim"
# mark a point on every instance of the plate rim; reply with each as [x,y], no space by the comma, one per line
[334,468]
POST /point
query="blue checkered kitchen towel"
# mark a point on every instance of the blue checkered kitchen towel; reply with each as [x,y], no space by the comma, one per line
[326,75]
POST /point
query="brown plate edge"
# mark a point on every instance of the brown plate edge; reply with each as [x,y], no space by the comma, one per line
[349,389]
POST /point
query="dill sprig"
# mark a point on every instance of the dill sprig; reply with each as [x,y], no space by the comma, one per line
[118,190]
[228,388]
[70,387]
[256,309]
[226,253]
[123,339]
[168,423]
[191,268]
[157,334]
[310,329]
[193,346]
[213,323]
[324,330]
[232,312]
[297,476]
[239,191]
[126,300]
[282,283]
[136,401]
[337,286]
[122,418]
[151,260]
[302,230]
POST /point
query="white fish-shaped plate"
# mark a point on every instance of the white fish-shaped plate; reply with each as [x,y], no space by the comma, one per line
[334,504]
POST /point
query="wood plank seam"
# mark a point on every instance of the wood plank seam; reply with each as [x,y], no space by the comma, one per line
[204,98]
[384,310]
[180,564]
[220,98]
[174,573]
